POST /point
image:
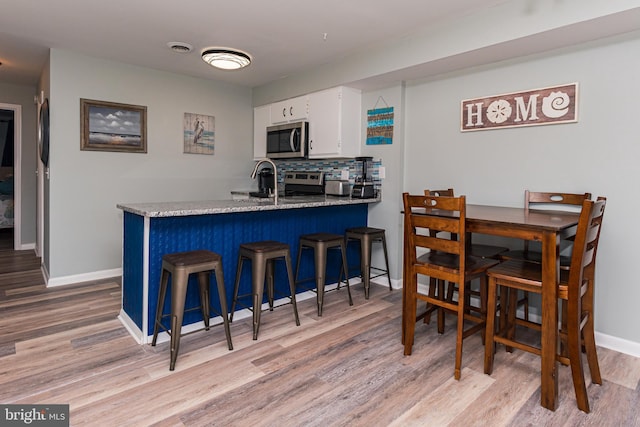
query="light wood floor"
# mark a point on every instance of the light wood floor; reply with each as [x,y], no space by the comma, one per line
[65,345]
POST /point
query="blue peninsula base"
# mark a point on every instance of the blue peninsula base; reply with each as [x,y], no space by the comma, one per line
[147,238]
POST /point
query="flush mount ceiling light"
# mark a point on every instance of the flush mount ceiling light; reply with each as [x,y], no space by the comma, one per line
[225,58]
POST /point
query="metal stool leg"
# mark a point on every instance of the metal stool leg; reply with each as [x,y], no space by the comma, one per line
[343,249]
[178,296]
[164,280]
[298,263]
[365,263]
[292,287]
[386,260]
[270,280]
[320,261]
[223,305]
[235,287]
[258,267]
[203,283]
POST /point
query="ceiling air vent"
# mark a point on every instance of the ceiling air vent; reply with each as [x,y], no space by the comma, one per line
[180,47]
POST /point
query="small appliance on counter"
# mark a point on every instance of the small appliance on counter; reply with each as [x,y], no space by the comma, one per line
[337,188]
[303,183]
[363,188]
[266,183]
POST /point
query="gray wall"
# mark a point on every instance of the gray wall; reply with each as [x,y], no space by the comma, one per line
[597,155]
[85,227]
[386,215]
[23,96]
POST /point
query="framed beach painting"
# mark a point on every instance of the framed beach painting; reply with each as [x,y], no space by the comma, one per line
[199,133]
[110,126]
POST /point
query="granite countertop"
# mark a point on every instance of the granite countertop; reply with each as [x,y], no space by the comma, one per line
[208,207]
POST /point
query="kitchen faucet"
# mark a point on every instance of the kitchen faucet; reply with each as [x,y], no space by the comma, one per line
[275,174]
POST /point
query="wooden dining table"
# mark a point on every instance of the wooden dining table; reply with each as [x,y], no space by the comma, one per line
[547,227]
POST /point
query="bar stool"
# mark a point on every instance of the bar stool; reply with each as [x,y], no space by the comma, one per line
[320,243]
[262,256]
[367,236]
[180,266]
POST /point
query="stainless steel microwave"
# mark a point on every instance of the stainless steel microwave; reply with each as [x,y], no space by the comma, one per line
[288,141]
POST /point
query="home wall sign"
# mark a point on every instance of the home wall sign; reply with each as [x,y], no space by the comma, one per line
[551,105]
[380,124]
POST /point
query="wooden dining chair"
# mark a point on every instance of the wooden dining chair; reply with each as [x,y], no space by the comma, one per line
[440,256]
[575,290]
[533,200]
[474,249]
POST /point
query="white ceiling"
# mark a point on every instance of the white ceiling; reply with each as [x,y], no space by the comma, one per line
[282,36]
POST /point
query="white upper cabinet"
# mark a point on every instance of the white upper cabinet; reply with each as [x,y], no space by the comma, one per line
[290,110]
[334,123]
[261,119]
[333,116]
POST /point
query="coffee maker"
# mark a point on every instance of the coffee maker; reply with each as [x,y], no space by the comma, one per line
[363,187]
[266,183]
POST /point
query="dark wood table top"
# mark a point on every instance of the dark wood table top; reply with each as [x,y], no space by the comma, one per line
[501,220]
[546,219]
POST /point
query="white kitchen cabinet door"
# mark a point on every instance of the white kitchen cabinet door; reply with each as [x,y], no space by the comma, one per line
[261,119]
[290,110]
[334,123]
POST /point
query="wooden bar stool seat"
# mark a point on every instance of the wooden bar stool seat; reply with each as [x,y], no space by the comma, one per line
[179,266]
[367,236]
[262,255]
[320,243]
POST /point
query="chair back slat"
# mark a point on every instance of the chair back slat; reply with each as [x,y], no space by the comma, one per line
[531,197]
[437,244]
[436,223]
[448,192]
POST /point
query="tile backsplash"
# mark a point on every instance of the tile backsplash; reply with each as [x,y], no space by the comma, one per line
[332,168]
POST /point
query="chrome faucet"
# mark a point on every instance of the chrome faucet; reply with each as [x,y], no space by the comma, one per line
[275,175]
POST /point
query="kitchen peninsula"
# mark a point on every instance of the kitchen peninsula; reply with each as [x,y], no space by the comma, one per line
[151,230]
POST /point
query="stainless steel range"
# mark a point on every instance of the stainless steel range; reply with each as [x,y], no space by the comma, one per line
[303,183]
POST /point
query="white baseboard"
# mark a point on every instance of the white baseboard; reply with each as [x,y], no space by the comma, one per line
[382,281]
[45,273]
[131,326]
[85,277]
[27,246]
[618,344]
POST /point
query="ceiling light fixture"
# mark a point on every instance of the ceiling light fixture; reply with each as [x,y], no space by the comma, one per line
[225,58]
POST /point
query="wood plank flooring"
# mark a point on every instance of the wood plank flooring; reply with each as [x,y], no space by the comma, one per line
[65,345]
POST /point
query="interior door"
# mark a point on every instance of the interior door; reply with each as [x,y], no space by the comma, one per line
[11,167]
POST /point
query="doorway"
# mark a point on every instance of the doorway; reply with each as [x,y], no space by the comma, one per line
[10,158]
